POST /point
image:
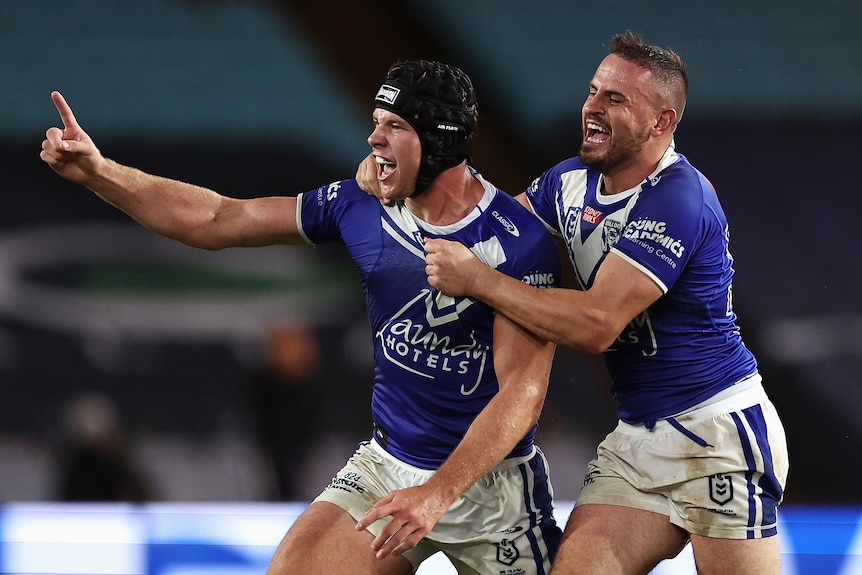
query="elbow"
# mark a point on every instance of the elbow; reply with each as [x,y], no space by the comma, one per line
[209,246]
[597,346]
[202,238]
[596,340]
[603,339]
[201,243]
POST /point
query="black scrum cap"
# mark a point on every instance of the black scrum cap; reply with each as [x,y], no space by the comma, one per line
[439,102]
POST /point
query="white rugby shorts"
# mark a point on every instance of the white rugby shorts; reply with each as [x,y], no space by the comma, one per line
[718,470]
[504,523]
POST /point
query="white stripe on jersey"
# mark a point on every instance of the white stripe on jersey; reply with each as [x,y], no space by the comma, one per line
[401,240]
[490,252]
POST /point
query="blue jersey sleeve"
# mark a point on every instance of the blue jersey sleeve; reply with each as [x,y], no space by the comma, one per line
[545,193]
[320,212]
[668,222]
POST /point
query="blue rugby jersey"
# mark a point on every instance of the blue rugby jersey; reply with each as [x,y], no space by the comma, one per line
[686,346]
[434,362]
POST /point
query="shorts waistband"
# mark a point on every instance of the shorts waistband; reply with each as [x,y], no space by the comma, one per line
[509,463]
[739,396]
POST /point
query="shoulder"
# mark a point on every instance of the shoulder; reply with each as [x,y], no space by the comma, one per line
[569,174]
[341,192]
[514,220]
[679,198]
[682,184]
[569,165]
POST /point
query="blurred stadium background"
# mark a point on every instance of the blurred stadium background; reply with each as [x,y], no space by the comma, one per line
[273,97]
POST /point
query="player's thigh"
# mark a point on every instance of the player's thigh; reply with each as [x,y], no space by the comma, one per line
[615,540]
[324,540]
[738,556]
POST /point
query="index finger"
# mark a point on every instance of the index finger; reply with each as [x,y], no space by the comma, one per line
[371,516]
[63,108]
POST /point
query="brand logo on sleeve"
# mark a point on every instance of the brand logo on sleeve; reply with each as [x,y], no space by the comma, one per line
[652,235]
[510,227]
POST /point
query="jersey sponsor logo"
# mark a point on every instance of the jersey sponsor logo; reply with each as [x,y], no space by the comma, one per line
[720,488]
[651,235]
[430,348]
[507,553]
[639,332]
[591,215]
[332,191]
[507,224]
[328,193]
[539,279]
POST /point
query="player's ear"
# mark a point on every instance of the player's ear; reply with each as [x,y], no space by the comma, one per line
[666,121]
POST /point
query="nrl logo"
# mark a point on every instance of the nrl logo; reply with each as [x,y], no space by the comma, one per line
[720,488]
[507,553]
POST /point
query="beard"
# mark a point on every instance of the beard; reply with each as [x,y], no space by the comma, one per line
[621,151]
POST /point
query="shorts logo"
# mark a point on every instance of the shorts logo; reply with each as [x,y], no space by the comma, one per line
[720,488]
[590,477]
[350,481]
[507,553]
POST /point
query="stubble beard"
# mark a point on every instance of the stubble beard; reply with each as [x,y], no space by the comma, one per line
[617,154]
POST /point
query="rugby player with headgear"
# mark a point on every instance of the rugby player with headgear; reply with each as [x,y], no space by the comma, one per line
[450,464]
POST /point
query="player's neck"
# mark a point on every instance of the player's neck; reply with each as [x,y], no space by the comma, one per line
[450,197]
[630,174]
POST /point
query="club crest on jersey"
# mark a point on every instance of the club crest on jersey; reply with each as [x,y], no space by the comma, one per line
[612,231]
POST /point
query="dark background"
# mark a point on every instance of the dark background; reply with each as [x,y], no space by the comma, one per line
[259,98]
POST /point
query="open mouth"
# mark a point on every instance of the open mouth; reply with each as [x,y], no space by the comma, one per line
[385,167]
[595,134]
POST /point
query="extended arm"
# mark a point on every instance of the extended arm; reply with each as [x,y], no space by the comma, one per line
[523,364]
[587,320]
[184,212]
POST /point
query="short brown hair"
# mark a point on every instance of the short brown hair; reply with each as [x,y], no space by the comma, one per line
[665,65]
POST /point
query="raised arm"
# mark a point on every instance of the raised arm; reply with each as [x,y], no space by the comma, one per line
[523,365]
[184,212]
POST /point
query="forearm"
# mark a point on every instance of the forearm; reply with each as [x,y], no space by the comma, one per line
[490,438]
[565,316]
[177,210]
